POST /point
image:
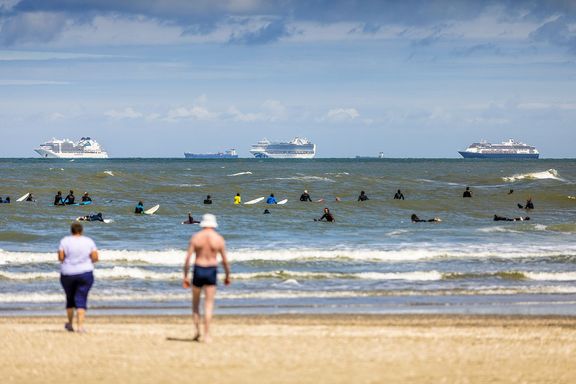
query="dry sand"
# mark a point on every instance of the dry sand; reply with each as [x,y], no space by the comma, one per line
[292,349]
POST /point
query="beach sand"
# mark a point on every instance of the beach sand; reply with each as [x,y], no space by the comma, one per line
[292,349]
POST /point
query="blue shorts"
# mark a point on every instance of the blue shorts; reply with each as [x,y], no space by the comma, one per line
[204,276]
[76,288]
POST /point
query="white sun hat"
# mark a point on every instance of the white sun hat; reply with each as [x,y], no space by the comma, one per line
[209,221]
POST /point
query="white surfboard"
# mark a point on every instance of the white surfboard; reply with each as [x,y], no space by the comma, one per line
[24,197]
[152,210]
[282,202]
[254,201]
[572,197]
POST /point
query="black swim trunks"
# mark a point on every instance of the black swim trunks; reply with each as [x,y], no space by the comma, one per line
[204,276]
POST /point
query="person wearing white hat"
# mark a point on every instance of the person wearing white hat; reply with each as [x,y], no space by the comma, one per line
[305,196]
[206,245]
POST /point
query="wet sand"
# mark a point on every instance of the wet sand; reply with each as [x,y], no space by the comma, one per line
[292,349]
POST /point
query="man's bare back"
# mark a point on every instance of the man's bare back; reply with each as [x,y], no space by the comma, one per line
[206,245]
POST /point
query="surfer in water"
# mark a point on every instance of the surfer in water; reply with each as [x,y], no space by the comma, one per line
[416,219]
[266,212]
[327,216]
[467,192]
[363,196]
[399,195]
[139,208]
[7,200]
[502,218]
[92,217]
[237,199]
[305,196]
[510,191]
[271,199]
[69,200]
[208,200]
[58,199]
[30,197]
[86,197]
[190,219]
[529,204]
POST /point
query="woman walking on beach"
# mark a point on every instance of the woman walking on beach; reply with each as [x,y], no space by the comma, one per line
[77,255]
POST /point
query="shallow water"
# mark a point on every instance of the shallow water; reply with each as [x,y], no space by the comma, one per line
[373,259]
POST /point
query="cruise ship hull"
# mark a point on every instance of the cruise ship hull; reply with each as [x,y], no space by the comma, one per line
[510,156]
[70,155]
[263,155]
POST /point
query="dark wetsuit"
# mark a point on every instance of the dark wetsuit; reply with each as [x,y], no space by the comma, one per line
[58,200]
[86,198]
[305,197]
[467,193]
[398,196]
[204,276]
[328,216]
[139,208]
[207,201]
[502,218]
[416,219]
[30,198]
[69,199]
[362,197]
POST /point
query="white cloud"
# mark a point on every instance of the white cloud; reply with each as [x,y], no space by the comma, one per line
[125,113]
[196,112]
[340,115]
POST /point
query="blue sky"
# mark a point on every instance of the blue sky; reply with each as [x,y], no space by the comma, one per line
[412,78]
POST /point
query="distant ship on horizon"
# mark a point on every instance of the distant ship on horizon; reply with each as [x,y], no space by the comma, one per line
[297,148]
[380,156]
[509,149]
[229,154]
[85,148]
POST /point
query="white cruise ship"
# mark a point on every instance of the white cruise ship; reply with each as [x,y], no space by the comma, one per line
[85,148]
[509,149]
[298,148]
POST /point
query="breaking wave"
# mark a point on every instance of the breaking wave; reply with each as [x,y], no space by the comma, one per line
[549,174]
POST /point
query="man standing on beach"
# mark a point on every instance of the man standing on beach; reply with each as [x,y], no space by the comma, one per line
[206,245]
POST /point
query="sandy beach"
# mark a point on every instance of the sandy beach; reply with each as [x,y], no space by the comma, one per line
[292,349]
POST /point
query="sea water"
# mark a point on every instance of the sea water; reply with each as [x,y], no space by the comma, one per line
[373,259]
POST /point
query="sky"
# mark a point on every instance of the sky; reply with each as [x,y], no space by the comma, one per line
[411,78]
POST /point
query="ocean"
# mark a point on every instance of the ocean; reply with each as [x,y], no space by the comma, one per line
[373,259]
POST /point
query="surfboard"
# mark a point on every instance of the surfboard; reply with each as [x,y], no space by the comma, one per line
[254,201]
[24,197]
[152,210]
[83,203]
[282,202]
[572,197]
[106,221]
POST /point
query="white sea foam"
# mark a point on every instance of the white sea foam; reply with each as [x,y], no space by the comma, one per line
[398,253]
[497,229]
[241,173]
[551,276]
[302,178]
[549,174]
[109,173]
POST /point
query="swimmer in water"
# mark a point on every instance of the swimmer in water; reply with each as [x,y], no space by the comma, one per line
[30,197]
[502,218]
[529,204]
[305,196]
[266,212]
[510,191]
[271,199]
[327,216]
[363,196]
[139,207]
[91,217]
[237,199]
[467,192]
[416,219]
[208,200]
[399,196]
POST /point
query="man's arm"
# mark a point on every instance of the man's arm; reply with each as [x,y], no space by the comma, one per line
[61,255]
[189,253]
[225,263]
[94,256]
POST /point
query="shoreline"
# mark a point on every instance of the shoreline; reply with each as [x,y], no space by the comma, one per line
[293,349]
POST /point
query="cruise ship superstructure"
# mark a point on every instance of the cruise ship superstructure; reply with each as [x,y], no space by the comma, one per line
[297,148]
[509,149]
[85,148]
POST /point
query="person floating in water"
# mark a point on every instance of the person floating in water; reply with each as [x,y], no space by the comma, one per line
[237,199]
[92,217]
[266,212]
[69,200]
[139,208]
[398,195]
[510,191]
[30,197]
[502,218]
[416,219]
[327,216]
[305,196]
[190,219]
[7,200]
[58,199]
[467,192]
[271,199]
[86,197]
[208,200]
[529,204]
[363,196]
